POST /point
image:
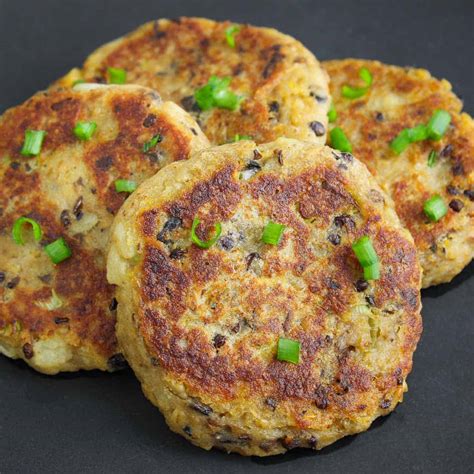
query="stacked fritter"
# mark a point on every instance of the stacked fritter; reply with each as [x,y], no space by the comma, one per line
[266,293]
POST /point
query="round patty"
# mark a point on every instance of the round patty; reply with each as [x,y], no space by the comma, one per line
[284,88]
[62,317]
[403,98]
[200,327]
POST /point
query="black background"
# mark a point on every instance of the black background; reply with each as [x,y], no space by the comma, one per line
[94,422]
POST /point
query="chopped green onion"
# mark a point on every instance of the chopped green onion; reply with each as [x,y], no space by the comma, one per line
[78,81]
[339,141]
[205,244]
[438,124]
[288,350]
[216,94]
[58,250]
[152,143]
[18,227]
[356,92]
[272,233]
[432,158]
[418,133]
[372,272]
[435,208]
[238,138]
[53,303]
[84,130]
[365,251]
[230,34]
[125,186]
[33,141]
[401,142]
[332,114]
[116,75]
[366,76]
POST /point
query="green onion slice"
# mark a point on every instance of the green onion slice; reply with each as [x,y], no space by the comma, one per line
[216,94]
[238,138]
[356,92]
[152,143]
[78,81]
[116,75]
[205,244]
[125,186]
[58,250]
[435,208]
[401,142]
[438,124]
[288,350]
[272,233]
[365,251]
[33,141]
[432,158]
[230,35]
[332,114]
[84,130]
[417,134]
[339,141]
[18,228]
[372,272]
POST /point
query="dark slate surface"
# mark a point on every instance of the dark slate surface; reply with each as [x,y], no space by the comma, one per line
[94,422]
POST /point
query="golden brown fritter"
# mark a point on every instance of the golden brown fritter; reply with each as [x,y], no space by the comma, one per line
[200,327]
[61,317]
[403,98]
[284,87]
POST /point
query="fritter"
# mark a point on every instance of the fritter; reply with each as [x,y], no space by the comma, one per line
[279,86]
[401,98]
[242,306]
[61,317]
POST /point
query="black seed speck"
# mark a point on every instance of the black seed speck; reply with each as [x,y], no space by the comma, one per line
[189,104]
[256,154]
[177,254]
[61,320]
[385,404]
[104,163]
[457,169]
[171,224]
[64,218]
[446,151]
[361,285]
[149,120]
[15,165]
[28,350]
[193,130]
[456,205]
[117,362]
[218,340]
[313,442]
[13,283]
[113,304]
[469,193]
[452,190]
[335,239]
[379,117]
[271,402]
[334,285]
[274,106]
[251,257]
[370,300]
[201,408]
[77,209]
[187,430]
[344,221]
[318,128]
[227,242]
[253,165]
[2,277]
[322,99]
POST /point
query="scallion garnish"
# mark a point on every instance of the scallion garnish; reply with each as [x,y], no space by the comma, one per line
[78,81]
[332,114]
[288,350]
[418,133]
[438,124]
[216,94]
[401,142]
[230,35]
[116,75]
[368,259]
[84,130]
[238,138]
[33,141]
[58,250]
[205,244]
[356,92]
[152,143]
[272,233]
[432,158]
[17,230]
[435,208]
[339,141]
[125,186]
